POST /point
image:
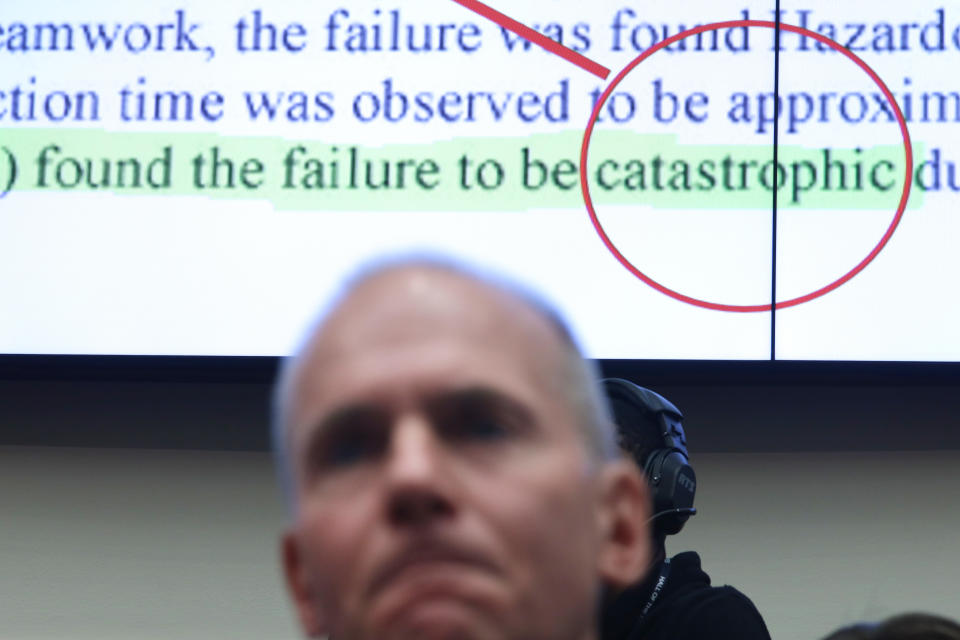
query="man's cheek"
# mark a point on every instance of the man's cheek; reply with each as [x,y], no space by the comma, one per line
[334,578]
[534,523]
[329,546]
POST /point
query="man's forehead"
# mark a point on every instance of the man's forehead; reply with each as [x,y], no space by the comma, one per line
[421,309]
[417,302]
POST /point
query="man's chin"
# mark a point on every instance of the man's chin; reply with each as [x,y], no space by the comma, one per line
[437,619]
[435,607]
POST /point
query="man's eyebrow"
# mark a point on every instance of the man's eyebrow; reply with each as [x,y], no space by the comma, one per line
[480,397]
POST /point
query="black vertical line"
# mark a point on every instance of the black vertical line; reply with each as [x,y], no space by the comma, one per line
[776,143]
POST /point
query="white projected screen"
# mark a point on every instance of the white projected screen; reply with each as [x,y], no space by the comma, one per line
[195,178]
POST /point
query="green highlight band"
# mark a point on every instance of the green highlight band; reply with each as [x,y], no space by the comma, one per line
[504,174]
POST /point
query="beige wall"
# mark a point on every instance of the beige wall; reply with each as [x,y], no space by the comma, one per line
[130,544]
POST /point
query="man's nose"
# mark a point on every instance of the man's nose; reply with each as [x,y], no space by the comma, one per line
[417,479]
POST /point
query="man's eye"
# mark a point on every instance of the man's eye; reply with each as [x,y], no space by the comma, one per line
[351,448]
[478,415]
[475,427]
[349,436]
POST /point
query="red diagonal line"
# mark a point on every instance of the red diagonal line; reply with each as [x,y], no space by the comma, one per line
[535,37]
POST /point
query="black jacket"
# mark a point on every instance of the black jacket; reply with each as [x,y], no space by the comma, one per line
[684,607]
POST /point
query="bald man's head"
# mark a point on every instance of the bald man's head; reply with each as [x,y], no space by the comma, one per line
[414,300]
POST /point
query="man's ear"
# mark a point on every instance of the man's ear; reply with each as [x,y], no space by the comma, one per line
[626,551]
[300,585]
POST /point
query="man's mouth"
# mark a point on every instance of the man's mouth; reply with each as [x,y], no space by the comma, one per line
[426,559]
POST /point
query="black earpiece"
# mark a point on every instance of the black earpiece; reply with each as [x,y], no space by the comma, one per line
[672,480]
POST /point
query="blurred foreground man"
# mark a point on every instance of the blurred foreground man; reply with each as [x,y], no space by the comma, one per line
[451,469]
